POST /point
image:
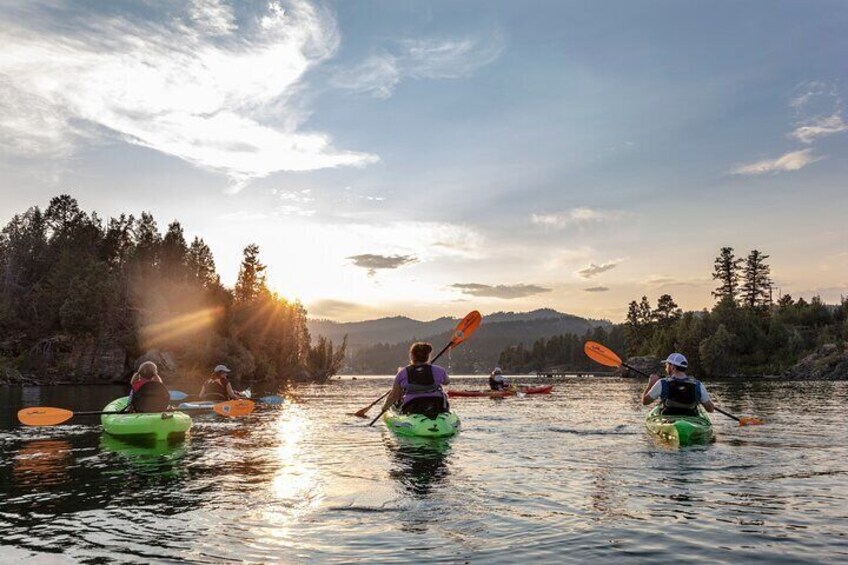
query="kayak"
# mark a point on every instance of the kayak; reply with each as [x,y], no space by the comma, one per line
[545,389]
[158,425]
[419,425]
[197,405]
[679,430]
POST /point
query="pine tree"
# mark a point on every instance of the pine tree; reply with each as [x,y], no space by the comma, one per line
[201,264]
[251,278]
[726,270]
[756,282]
[172,252]
[667,311]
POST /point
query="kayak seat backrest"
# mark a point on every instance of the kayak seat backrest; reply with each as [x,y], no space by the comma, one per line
[151,397]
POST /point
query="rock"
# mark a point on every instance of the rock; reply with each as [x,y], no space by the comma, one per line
[63,359]
[829,362]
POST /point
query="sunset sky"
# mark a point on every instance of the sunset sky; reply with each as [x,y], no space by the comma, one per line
[426,158]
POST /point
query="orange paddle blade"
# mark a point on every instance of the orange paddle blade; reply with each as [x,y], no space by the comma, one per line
[597,352]
[43,416]
[235,408]
[750,421]
[467,326]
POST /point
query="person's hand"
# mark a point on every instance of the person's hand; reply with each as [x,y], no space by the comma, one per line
[652,380]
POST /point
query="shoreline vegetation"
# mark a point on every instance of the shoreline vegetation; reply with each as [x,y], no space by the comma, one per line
[85,300]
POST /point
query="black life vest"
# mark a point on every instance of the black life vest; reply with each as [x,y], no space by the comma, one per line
[152,396]
[419,379]
[680,397]
[215,389]
[495,384]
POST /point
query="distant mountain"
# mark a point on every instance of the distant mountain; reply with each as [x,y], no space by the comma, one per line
[379,346]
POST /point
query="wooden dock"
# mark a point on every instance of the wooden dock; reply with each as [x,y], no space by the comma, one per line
[558,374]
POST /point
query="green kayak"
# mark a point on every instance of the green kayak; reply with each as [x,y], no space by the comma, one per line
[158,425]
[419,425]
[679,430]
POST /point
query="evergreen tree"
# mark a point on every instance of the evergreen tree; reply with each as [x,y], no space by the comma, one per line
[756,282]
[201,264]
[251,277]
[667,311]
[172,252]
[726,271]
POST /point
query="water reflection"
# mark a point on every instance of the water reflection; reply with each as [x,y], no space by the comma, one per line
[42,463]
[419,463]
[147,457]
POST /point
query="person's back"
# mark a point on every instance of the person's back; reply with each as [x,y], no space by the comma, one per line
[679,393]
[217,388]
[418,386]
[497,381]
[148,393]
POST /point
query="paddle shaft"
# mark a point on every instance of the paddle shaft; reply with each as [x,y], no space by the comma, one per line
[383,411]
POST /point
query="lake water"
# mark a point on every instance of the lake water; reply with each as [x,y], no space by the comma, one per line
[570,477]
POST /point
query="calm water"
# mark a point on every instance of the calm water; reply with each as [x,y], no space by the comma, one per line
[570,477]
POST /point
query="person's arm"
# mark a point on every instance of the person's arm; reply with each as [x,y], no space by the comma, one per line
[647,396]
[706,401]
[232,394]
[394,396]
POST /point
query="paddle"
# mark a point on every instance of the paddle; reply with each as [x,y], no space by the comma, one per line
[272,400]
[607,357]
[47,416]
[467,326]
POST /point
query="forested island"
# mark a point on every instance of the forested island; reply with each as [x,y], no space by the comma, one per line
[84,300]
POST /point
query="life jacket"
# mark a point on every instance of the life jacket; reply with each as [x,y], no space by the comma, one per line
[151,396]
[495,384]
[140,383]
[215,389]
[419,380]
[680,397]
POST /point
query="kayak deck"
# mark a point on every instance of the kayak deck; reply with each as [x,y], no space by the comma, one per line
[545,389]
[679,430]
[419,425]
[158,425]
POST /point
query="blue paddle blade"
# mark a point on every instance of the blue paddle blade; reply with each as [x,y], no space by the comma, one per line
[273,400]
[178,395]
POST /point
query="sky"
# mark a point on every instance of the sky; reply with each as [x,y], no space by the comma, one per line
[427,158]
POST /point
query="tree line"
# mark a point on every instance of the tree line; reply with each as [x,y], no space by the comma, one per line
[69,278]
[746,332]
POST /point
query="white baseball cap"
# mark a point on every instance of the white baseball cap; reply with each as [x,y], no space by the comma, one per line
[221,369]
[677,359]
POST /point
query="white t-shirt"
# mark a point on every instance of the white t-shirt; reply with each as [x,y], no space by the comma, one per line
[656,392]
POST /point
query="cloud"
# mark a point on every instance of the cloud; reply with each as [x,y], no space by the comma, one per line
[594,270]
[506,292]
[820,127]
[596,289]
[180,82]
[576,216]
[792,161]
[336,309]
[376,262]
[379,74]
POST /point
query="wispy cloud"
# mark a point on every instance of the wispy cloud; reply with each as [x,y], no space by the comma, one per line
[336,309]
[379,74]
[373,262]
[820,127]
[594,270]
[596,289]
[179,82]
[575,216]
[792,161]
[505,292]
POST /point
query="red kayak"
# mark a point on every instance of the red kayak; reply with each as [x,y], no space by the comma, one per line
[545,389]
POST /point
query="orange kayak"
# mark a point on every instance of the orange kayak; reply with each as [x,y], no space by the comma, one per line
[545,389]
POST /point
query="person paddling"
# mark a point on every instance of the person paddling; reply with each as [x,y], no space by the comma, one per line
[418,387]
[497,381]
[218,387]
[148,393]
[680,394]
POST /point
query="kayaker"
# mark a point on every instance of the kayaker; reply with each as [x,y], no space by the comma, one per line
[418,387]
[148,393]
[218,386]
[497,381]
[680,394]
